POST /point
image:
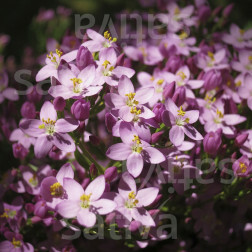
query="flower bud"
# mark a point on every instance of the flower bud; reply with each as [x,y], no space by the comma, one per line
[204,12]
[94,140]
[59,103]
[212,79]
[28,110]
[29,207]
[84,58]
[179,96]
[134,225]
[158,110]
[80,109]
[40,209]
[19,151]
[212,142]
[226,12]
[230,106]
[173,63]
[93,170]
[111,173]
[169,90]
[33,95]
[191,64]
[110,121]
[241,139]
[155,137]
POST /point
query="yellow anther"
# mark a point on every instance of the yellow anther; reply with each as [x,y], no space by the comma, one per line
[33,180]
[176,11]
[111,68]
[238,83]
[180,111]
[242,167]
[85,197]
[76,81]
[136,139]
[219,113]
[160,82]
[4,215]
[242,31]
[181,75]
[229,83]
[59,53]
[187,120]
[211,55]
[250,58]
[132,195]
[41,126]
[130,96]
[108,36]
[106,63]
[183,35]
[152,78]
[142,49]
[48,121]
[56,189]
[135,111]
[16,243]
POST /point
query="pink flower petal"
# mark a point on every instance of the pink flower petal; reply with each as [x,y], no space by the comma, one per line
[104,206]
[66,171]
[147,195]
[153,156]
[73,189]
[96,188]
[119,151]
[86,218]
[142,215]
[64,142]
[66,125]
[48,112]
[135,164]
[68,208]
[127,184]
[176,135]
[125,86]
[42,146]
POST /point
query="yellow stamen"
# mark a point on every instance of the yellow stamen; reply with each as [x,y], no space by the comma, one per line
[211,55]
[108,36]
[238,83]
[242,167]
[16,243]
[183,35]
[187,120]
[181,112]
[250,58]
[242,31]
[181,75]
[106,63]
[219,113]
[160,82]
[4,215]
[176,11]
[56,189]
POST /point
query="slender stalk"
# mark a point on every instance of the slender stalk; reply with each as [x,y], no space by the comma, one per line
[85,152]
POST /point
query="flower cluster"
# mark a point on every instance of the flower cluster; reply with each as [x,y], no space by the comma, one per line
[119,135]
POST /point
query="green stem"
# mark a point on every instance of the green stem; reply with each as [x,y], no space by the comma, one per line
[85,152]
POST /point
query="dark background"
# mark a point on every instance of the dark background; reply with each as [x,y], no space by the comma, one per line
[16,16]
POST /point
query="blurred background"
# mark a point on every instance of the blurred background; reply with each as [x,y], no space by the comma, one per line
[27,23]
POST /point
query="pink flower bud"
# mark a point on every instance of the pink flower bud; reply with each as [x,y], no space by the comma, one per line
[28,110]
[59,103]
[179,96]
[212,142]
[80,110]
[241,139]
[169,90]
[19,151]
[111,173]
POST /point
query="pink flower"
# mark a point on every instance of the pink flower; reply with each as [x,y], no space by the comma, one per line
[180,122]
[6,92]
[130,103]
[84,204]
[245,91]
[242,167]
[134,150]
[238,38]
[99,42]
[107,71]
[244,65]
[131,203]
[52,188]
[49,131]
[75,86]
[53,61]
